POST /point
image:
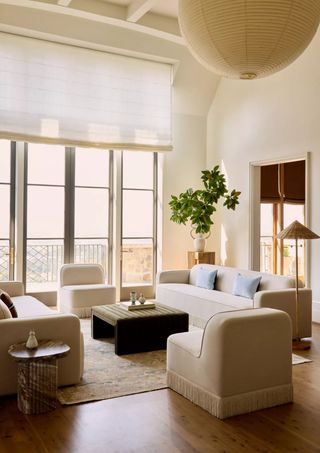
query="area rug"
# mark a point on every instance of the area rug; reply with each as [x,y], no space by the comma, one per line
[107,375]
[298,359]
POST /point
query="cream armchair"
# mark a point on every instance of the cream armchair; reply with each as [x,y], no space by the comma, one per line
[81,287]
[240,363]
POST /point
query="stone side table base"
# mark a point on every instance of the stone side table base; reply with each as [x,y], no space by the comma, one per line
[37,386]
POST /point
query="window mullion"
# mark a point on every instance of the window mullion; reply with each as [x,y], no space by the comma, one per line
[69,205]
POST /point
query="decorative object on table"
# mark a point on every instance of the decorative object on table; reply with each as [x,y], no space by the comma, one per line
[142,299]
[137,305]
[248,39]
[133,297]
[297,231]
[32,342]
[198,206]
[37,374]
[199,240]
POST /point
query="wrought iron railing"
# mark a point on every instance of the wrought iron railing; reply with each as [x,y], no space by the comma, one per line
[44,261]
[90,253]
[266,255]
[4,262]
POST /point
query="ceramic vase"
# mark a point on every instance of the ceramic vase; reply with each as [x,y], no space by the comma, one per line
[32,341]
[199,240]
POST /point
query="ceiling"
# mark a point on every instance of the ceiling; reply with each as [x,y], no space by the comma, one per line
[155,17]
[163,7]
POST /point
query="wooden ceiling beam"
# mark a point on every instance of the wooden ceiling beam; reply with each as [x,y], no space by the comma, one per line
[64,2]
[139,8]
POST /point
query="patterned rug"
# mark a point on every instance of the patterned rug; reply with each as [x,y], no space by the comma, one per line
[107,375]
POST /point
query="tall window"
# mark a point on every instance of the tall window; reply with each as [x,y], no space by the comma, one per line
[92,195]
[138,220]
[67,211]
[6,209]
[282,202]
[45,215]
[80,204]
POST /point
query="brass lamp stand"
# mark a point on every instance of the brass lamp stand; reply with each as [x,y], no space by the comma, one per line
[297,231]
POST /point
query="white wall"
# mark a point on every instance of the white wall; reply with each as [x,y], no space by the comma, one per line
[271,118]
[182,169]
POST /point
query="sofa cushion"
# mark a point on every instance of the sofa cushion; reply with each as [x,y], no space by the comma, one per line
[6,299]
[200,294]
[246,286]
[206,278]
[4,311]
[191,342]
[30,307]
[86,295]
[200,303]
[226,277]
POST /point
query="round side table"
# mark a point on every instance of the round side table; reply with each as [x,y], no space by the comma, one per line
[37,374]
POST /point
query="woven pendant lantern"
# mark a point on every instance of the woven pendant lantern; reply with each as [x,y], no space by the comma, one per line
[248,39]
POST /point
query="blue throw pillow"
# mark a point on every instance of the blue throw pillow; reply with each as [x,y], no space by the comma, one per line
[206,278]
[246,286]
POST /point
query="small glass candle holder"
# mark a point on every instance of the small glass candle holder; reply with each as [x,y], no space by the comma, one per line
[133,297]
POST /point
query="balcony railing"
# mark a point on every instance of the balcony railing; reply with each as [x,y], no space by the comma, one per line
[44,260]
[43,263]
[4,261]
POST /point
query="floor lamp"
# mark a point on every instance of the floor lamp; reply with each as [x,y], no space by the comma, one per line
[297,231]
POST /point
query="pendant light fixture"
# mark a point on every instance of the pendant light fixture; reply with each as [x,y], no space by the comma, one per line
[248,39]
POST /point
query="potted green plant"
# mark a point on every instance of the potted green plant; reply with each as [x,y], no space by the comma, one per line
[198,206]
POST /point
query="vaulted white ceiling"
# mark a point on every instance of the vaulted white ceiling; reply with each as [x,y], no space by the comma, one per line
[154,17]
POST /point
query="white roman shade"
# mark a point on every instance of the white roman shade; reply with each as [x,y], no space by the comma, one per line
[54,93]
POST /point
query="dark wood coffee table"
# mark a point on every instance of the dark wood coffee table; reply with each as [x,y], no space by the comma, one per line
[138,330]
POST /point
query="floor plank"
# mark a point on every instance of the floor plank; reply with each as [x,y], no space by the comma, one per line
[165,422]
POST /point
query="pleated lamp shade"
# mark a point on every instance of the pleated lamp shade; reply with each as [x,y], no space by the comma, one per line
[248,39]
[297,231]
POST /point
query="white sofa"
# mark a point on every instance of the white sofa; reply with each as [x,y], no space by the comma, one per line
[240,363]
[47,324]
[177,288]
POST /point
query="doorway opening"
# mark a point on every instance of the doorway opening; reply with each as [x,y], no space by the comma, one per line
[279,197]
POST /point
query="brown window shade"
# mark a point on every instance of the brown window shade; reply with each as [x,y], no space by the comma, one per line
[269,184]
[293,183]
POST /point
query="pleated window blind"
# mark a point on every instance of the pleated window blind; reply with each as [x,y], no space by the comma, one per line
[54,93]
[284,181]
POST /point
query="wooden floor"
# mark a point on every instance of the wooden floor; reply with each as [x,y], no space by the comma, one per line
[163,421]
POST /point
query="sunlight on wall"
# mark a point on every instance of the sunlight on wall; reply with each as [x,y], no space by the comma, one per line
[224,171]
[223,246]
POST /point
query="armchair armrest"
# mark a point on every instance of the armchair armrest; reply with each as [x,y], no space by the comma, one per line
[285,300]
[54,327]
[173,276]
[13,288]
